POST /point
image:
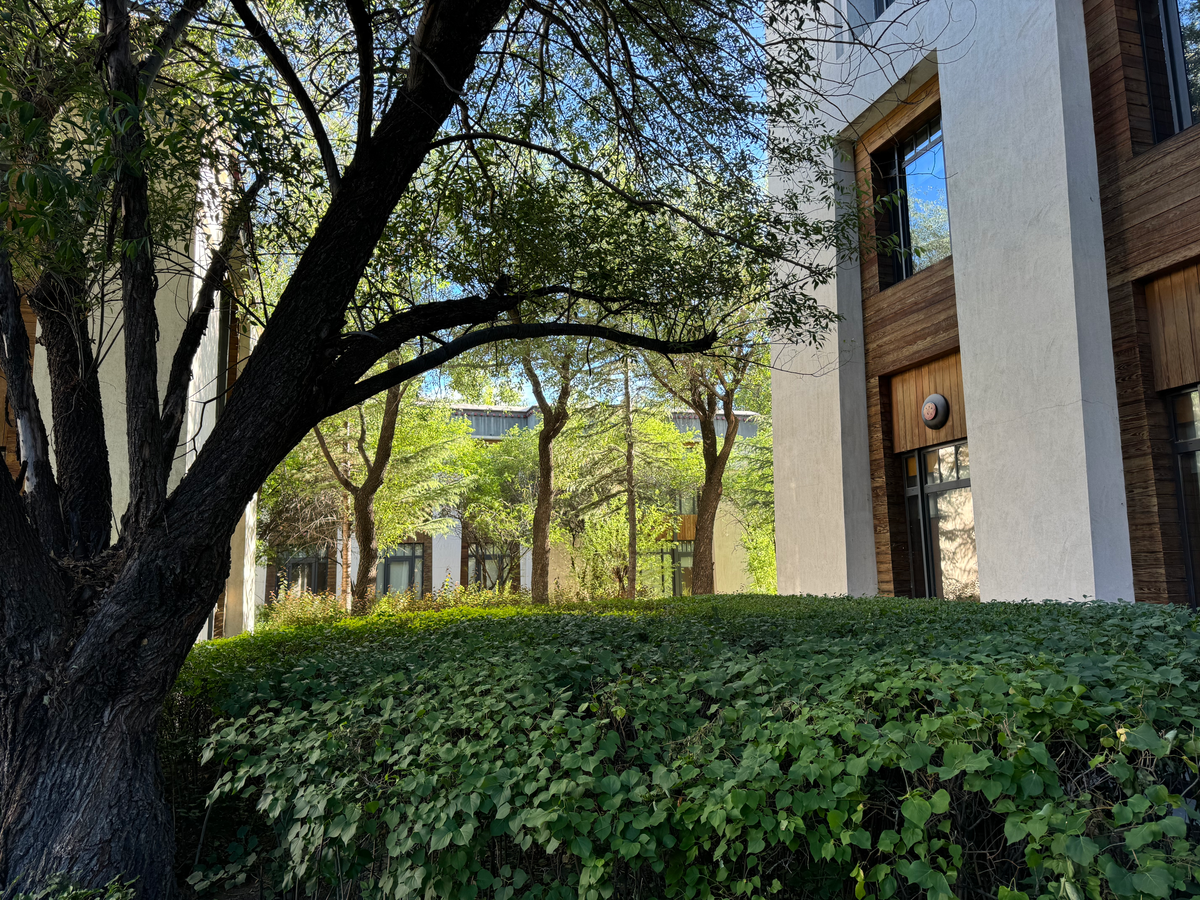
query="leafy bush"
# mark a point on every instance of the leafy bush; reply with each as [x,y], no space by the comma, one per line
[65,890]
[716,747]
[301,608]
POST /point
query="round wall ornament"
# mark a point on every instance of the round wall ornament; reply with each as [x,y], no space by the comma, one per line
[935,411]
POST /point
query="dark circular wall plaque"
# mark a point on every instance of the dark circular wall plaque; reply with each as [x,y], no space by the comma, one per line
[935,411]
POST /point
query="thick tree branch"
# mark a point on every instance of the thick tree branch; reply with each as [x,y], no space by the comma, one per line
[171,33]
[350,487]
[180,379]
[364,39]
[139,281]
[472,339]
[283,66]
[41,489]
[80,446]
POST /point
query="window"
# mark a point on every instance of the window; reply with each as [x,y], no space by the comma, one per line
[1171,49]
[912,173]
[941,523]
[853,17]
[402,569]
[1185,432]
[490,565]
[675,568]
[305,572]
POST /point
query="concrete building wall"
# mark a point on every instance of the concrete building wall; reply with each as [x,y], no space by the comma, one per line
[730,575]
[447,559]
[1038,376]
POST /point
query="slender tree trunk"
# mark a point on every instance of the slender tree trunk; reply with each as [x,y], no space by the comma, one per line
[345,591]
[715,461]
[630,496]
[703,570]
[539,582]
[368,544]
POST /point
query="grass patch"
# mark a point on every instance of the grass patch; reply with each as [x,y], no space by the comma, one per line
[739,746]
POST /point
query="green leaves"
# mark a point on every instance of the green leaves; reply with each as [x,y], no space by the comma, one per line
[862,741]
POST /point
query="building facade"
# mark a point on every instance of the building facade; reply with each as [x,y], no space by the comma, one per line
[1007,408]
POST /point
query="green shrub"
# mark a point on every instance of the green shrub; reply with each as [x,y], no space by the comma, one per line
[301,608]
[717,747]
[64,889]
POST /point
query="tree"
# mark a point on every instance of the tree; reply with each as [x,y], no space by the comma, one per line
[405,464]
[555,413]
[95,631]
[709,386]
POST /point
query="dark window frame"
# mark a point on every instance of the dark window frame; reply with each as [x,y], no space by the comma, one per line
[922,490]
[508,564]
[411,558]
[889,168]
[1165,67]
[1178,449]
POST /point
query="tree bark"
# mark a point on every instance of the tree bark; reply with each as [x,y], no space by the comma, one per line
[77,415]
[715,460]
[630,495]
[554,418]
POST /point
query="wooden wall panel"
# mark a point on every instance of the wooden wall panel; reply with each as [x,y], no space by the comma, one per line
[904,326]
[909,390]
[1173,309]
[1150,204]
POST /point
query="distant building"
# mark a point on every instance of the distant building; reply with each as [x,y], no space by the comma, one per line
[461,557]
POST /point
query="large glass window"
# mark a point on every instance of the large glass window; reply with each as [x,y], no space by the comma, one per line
[490,565]
[402,569]
[302,573]
[1171,48]
[941,523]
[1185,421]
[913,175]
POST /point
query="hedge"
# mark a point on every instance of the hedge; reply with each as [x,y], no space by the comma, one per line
[729,747]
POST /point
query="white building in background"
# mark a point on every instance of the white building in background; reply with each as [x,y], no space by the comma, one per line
[1010,400]
[432,562]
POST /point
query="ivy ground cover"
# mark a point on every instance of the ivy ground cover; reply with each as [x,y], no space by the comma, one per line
[713,747]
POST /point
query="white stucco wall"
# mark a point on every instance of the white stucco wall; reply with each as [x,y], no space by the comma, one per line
[1038,376]
[447,558]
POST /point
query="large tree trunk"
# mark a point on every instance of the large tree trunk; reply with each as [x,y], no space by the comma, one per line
[368,544]
[539,580]
[715,460]
[79,770]
[630,495]
[89,799]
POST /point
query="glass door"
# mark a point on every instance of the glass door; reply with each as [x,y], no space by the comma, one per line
[1185,433]
[941,523]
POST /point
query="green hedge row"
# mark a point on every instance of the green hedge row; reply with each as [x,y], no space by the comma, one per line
[741,747]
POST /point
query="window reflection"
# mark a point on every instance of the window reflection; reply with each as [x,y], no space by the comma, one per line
[952,540]
[914,174]
[943,561]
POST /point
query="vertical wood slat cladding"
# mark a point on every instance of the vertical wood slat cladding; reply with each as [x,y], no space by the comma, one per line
[905,325]
[8,427]
[1150,204]
[909,390]
[1173,308]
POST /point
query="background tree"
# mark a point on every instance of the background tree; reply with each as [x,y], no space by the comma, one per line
[413,484]
[359,118]
[708,386]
